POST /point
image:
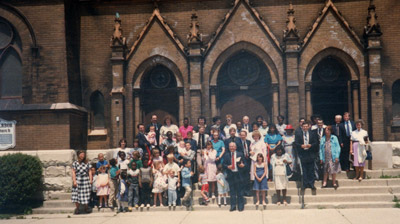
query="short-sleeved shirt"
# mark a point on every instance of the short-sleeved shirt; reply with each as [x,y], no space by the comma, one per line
[272,139]
[184,130]
[138,162]
[101,163]
[113,172]
[172,167]
[218,146]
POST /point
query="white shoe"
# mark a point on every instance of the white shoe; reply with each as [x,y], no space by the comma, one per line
[148,205]
[213,197]
[142,205]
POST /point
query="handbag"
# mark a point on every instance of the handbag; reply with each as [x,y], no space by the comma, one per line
[369,155]
[289,171]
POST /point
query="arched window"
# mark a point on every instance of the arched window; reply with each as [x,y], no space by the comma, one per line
[10,61]
[97,108]
[396,99]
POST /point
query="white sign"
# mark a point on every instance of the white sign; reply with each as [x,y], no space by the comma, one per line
[7,134]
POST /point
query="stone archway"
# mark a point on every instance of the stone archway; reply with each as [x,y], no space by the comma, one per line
[330,93]
[244,87]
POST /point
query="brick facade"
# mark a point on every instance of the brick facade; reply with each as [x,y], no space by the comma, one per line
[67,56]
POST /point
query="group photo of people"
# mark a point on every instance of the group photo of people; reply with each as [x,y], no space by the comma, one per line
[226,160]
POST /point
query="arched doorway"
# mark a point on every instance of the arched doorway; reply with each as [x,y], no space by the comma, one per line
[329,90]
[159,94]
[244,87]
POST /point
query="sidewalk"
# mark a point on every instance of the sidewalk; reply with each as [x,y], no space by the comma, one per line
[334,216]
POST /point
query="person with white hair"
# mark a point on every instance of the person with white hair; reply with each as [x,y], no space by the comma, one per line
[246,124]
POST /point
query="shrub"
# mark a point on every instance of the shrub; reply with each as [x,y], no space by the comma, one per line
[20,182]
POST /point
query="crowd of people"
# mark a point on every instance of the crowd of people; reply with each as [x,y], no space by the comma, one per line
[241,159]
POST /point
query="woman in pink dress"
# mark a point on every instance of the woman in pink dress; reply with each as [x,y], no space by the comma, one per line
[256,147]
[209,155]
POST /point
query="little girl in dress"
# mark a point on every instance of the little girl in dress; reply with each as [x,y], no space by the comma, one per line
[151,136]
[102,186]
[157,157]
[222,185]
[260,178]
[159,182]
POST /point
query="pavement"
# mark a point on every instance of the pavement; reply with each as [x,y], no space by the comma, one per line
[326,216]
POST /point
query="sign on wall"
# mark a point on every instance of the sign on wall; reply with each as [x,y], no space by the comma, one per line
[7,134]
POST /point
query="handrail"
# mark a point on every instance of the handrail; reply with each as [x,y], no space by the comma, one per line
[302,190]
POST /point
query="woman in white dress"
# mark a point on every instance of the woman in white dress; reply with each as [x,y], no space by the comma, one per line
[359,143]
[256,147]
[264,128]
[168,126]
[278,162]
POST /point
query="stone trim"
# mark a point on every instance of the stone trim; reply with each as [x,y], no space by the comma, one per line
[329,5]
[5,105]
[156,16]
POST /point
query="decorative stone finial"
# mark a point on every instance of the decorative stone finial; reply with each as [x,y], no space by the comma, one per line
[372,27]
[194,35]
[291,30]
[117,38]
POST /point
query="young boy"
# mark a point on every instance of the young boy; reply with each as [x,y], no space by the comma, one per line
[114,174]
[187,174]
[133,181]
[146,183]
[136,159]
[101,162]
[93,193]
[187,154]
[172,195]
[136,148]
[123,194]
[204,184]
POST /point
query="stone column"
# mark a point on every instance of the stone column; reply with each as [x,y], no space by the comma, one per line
[213,93]
[308,100]
[372,34]
[291,41]
[118,46]
[356,107]
[181,106]
[137,113]
[275,102]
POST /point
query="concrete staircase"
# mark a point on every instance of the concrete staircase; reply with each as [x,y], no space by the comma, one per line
[373,192]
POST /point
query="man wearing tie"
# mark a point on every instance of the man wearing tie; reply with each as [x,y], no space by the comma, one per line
[319,132]
[348,126]
[235,166]
[143,143]
[246,124]
[233,138]
[156,126]
[306,144]
[201,140]
[245,146]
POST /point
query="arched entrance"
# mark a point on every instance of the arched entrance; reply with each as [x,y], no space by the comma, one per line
[244,87]
[330,93]
[159,94]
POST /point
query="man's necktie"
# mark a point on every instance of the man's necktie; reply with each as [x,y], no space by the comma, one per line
[233,161]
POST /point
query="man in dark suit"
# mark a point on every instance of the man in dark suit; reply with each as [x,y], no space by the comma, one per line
[306,144]
[319,132]
[245,146]
[143,143]
[348,126]
[157,127]
[246,124]
[235,166]
[300,128]
[233,138]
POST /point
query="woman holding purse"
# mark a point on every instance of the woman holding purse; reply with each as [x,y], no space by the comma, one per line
[329,151]
[359,143]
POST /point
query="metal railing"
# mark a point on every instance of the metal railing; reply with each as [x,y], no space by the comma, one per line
[302,190]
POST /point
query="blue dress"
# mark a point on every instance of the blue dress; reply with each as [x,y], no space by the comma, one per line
[218,147]
[263,185]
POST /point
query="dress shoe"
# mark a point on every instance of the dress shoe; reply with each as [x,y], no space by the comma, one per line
[232,209]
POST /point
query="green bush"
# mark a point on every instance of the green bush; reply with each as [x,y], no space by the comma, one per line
[20,182]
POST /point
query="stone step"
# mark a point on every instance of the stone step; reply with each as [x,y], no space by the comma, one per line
[318,198]
[210,207]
